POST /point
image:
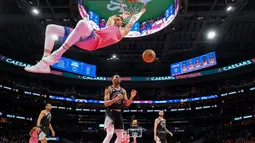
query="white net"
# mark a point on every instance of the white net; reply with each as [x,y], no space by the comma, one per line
[131,7]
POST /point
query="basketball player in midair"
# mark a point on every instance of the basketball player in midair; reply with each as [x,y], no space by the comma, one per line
[44,123]
[115,98]
[160,130]
[83,36]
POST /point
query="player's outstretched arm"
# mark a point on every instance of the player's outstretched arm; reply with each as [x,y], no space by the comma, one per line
[127,101]
[82,11]
[132,21]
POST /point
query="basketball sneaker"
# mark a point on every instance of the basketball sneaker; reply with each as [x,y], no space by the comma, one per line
[40,67]
[52,59]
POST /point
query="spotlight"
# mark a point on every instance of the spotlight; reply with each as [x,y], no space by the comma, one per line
[211,34]
[114,56]
[35,11]
[229,8]
[31,2]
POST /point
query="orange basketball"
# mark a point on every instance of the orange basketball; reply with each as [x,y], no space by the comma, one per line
[149,56]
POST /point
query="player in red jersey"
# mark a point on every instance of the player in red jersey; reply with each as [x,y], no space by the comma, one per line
[83,36]
[125,137]
[197,63]
[184,67]
[212,60]
[34,135]
[191,66]
[205,61]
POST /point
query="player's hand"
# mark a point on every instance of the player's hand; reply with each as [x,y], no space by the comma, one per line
[133,93]
[38,129]
[171,134]
[53,133]
[143,10]
[126,14]
[155,138]
[119,97]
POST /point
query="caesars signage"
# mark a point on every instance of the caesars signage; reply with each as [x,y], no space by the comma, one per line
[94,78]
[237,65]
[162,78]
[17,63]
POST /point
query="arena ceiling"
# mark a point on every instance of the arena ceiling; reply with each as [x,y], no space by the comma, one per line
[22,35]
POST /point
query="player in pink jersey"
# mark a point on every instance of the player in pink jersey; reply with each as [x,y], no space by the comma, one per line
[34,135]
[125,137]
[83,36]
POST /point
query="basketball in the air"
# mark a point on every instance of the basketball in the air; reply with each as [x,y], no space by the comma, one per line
[149,56]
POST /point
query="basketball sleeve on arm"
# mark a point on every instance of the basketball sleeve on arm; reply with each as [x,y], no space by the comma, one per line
[82,11]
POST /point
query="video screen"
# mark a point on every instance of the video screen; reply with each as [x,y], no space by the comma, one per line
[142,28]
[194,64]
[76,67]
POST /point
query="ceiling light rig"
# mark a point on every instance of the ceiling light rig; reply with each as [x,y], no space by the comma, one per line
[114,57]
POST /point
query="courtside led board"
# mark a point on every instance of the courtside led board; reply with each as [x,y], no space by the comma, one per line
[77,67]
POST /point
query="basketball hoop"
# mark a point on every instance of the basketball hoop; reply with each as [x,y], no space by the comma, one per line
[131,7]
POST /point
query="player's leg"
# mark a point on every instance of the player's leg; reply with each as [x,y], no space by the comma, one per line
[42,136]
[162,139]
[109,134]
[108,126]
[81,31]
[119,133]
[51,31]
[119,126]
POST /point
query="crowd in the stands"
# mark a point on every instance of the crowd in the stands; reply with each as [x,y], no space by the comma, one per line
[83,91]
